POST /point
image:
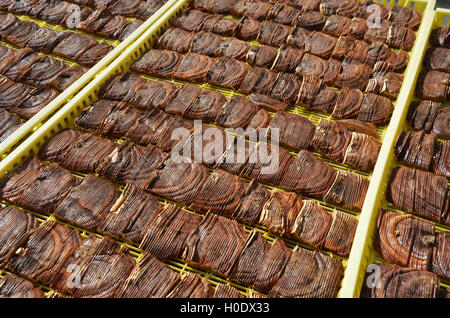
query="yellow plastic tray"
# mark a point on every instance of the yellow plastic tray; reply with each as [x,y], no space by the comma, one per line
[36,121]
[64,117]
[362,253]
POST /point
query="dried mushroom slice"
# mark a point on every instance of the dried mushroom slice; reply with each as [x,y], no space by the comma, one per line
[234,48]
[272,266]
[252,202]
[376,109]
[191,20]
[273,34]
[441,37]
[441,260]
[257,10]
[348,103]
[191,285]
[227,291]
[400,37]
[236,113]
[157,63]
[311,224]
[259,81]
[73,45]
[176,39]
[44,71]
[287,60]
[206,43]
[311,20]
[320,44]
[405,240]
[346,8]
[309,274]
[337,25]
[87,204]
[441,125]
[309,176]
[248,29]
[298,37]
[280,211]
[361,127]
[42,254]
[285,88]
[180,182]
[311,65]
[166,235]
[387,84]
[149,278]
[331,140]
[59,145]
[13,286]
[421,115]
[227,237]
[250,260]
[407,17]
[36,100]
[340,236]
[410,190]
[354,75]
[442,162]
[267,102]
[193,68]
[295,131]
[398,282]
[205,106]
[415,148]
[437,58]
[283,13]
[358,27]
[362,151]
[315,95]
[227,72]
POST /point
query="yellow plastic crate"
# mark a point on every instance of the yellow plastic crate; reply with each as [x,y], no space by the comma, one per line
[36,121]
[64,118]
[363,253]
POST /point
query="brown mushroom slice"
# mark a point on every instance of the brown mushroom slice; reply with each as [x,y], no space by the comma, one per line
[221,194]
[176,134]
[236,154]
[14,226]
[259,81]
[376,109]
[22,64]
[441,37]
[368,7]
[339,239]
[252,203]
[69,75]
[191,20]
[180,182]
[41,255]
[283,13]
[37,100]
[121,87]
[167,232]
[309,274]
[285,88]
[87,204]
[267,164]
[337,25]
[320,44]
[441,258]
[311,20]
[421,115]
[47,190]
[311,65]
[404,240]
[409,191]
[205,106]
[378,31]
[415,148]
[267,102]
[441,125]
[361,127]
[227,237]
[233,48]
[287,60]
[348,190]
[442,162]
[176,39]
[7,121]
[280,211]
[181,99]
[153,94]
[250,260]
[346,8]
[227,72]
[354,75]
[295,131]
[194,68]
[237,112]
[305,5]
[130,215]
[96,20]
[157,63]
[192,285]
[272,33]
[206,43]
[315,95]
[407,17]
[401,37]
[257,10]
[227,291]
[362,152]
[311,224]
[309,176]
[149,278]
[248,29]
[272,266]
[437,58]
[261,120]
[357,28]
[331,140]
[100,266]
[59,145]
[44,71]
[386,84]
[117,27]
[397,61]
[224,26]
[93,55]
[132,164]
[348,103]
[399,282]
[298,38]
[12,286]
[20,33]
[433,85]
